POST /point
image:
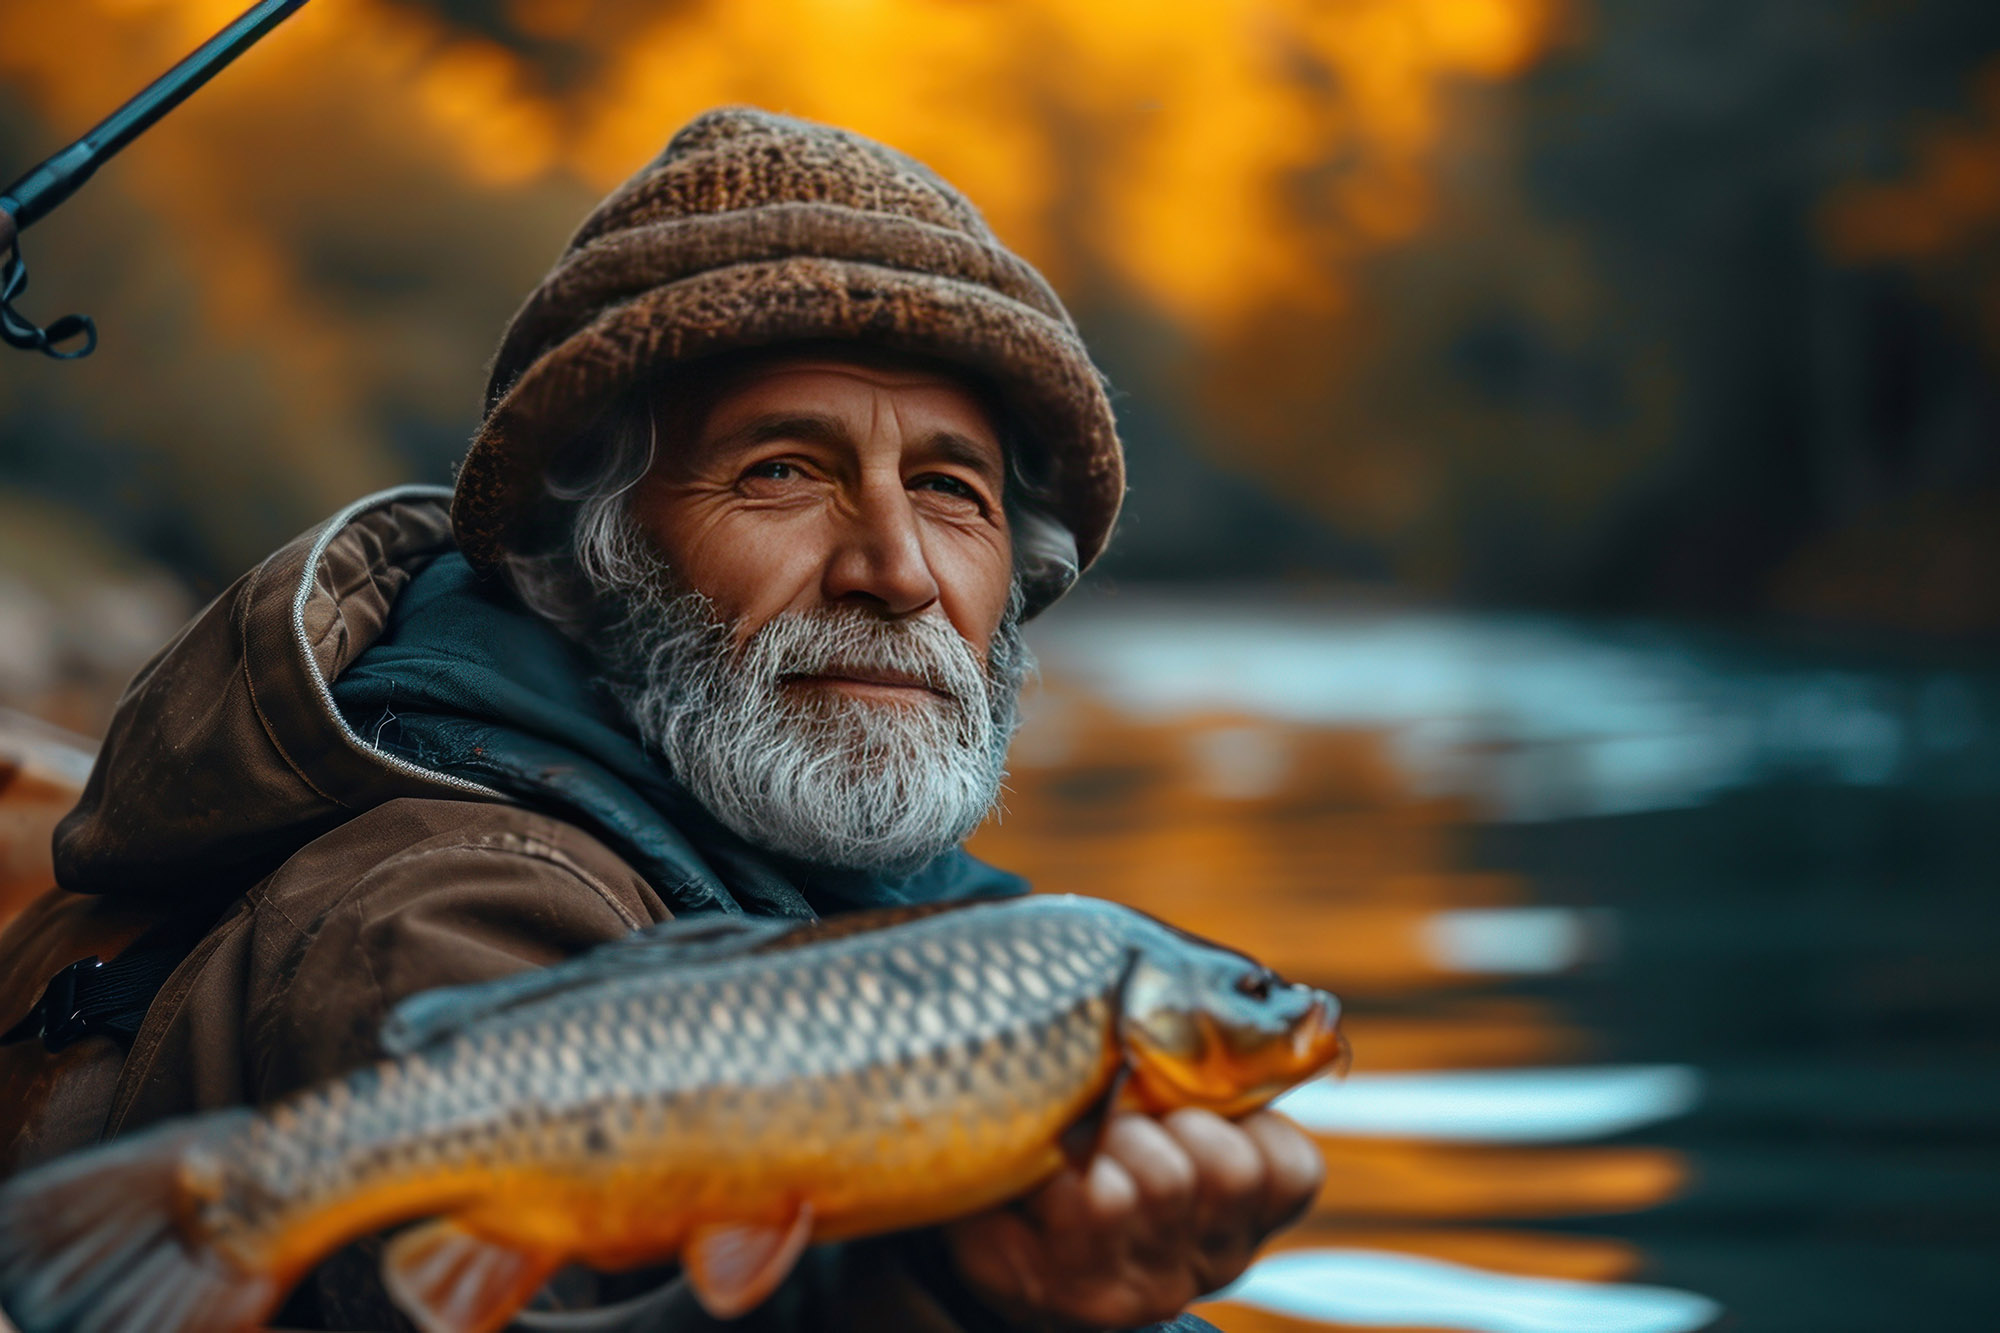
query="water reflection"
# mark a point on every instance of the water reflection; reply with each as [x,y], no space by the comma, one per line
[1364,1287]
[1539,719]
[1522,941]
[1611,908]
[1497,1106]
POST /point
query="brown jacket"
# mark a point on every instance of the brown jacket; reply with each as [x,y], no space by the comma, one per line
[348,878]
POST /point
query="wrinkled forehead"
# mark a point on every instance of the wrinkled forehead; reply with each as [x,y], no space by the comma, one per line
[686,397]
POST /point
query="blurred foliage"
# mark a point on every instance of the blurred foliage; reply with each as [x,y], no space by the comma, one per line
[1629,305]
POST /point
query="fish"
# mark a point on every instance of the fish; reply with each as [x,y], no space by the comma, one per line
[721,1090]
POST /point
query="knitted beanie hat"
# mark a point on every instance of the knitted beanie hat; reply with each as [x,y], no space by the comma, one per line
[755,230]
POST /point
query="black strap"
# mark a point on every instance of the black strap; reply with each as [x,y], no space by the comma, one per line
[94,998]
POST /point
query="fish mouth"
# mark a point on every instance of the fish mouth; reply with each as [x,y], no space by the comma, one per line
[1231,1083]
[1315,1043]
[1318,1043]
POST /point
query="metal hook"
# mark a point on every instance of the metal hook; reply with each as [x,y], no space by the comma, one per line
[19,331]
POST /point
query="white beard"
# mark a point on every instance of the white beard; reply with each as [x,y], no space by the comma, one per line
[821,776]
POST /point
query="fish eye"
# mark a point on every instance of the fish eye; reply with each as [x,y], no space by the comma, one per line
[1257,984]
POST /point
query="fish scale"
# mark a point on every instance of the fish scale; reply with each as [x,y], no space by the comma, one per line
[925,1010]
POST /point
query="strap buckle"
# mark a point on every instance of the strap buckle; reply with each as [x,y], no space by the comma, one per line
[59,1017]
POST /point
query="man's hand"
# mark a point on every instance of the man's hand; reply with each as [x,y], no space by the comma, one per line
[1168,1211]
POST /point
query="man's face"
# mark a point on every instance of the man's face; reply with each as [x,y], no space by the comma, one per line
[820,630]
[817,483]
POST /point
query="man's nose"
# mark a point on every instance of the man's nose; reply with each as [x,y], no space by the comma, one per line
[878,558]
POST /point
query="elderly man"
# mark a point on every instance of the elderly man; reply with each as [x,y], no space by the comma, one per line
[726,617]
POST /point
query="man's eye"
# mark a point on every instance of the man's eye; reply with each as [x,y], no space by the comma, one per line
[947,486]
[775,470]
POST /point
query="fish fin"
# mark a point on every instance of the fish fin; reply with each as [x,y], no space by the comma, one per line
[874,918]
[433,1014]
[1085,1134]
[94,1241]
[451,1281]
[735,1266]
[710,937]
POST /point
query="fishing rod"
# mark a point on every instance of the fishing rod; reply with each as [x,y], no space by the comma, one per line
[31,198]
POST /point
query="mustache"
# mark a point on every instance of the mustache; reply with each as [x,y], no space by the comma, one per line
[845,641]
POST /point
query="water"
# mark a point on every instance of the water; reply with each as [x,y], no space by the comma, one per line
[1670,959]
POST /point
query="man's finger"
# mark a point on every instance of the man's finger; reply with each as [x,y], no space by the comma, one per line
[1085,1202]
[1229,1165]
[1228,1222]
[1294,1168]
[998,1254]
[1159,1166]
[1061,1204]
[1110,1195]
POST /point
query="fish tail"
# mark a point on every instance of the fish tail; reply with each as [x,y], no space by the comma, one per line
[94,1243]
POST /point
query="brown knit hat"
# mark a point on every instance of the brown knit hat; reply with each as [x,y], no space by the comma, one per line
[753,230]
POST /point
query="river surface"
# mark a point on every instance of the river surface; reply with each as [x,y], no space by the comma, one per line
[1670,958]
